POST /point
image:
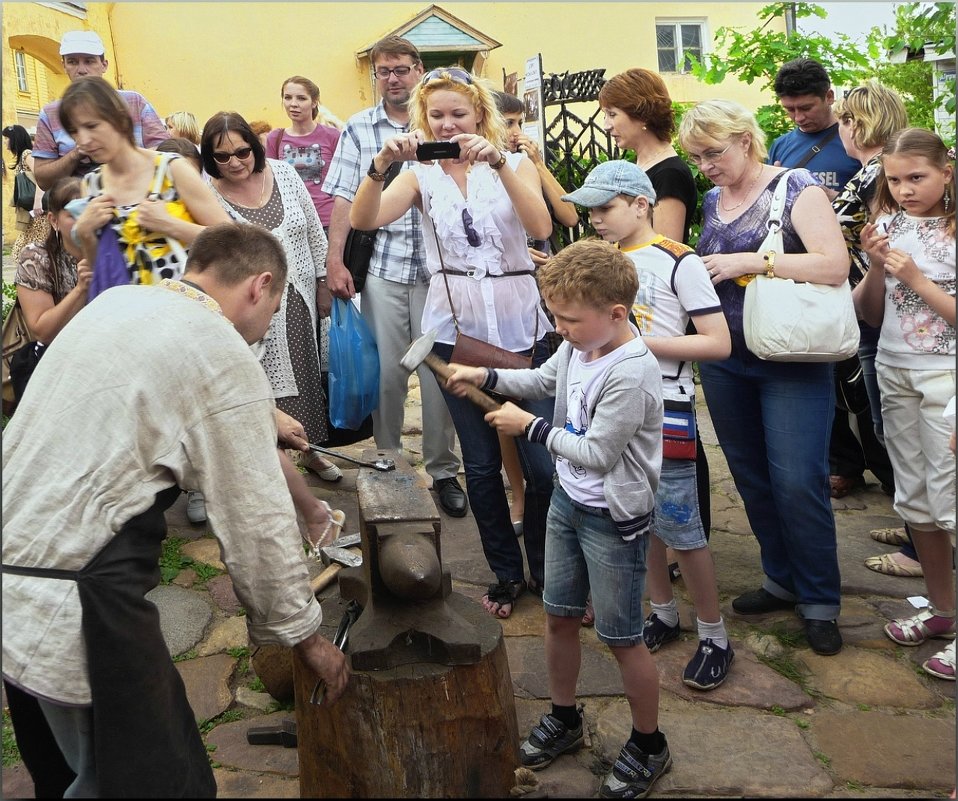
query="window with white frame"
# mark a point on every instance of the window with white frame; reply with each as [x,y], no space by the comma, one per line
[20,61]
[676,40]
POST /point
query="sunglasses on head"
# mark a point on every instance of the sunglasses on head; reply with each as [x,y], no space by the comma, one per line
[455,73]
[223,158]
[472,235]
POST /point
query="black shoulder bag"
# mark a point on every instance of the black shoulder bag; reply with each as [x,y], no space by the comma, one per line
[358,249]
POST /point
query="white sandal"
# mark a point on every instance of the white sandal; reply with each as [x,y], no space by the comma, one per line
[942,664]
[915,630]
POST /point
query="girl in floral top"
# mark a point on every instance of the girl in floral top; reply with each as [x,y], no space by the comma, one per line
[909,290]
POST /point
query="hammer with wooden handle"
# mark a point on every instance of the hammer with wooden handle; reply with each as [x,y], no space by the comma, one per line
[337,555]
[420,352]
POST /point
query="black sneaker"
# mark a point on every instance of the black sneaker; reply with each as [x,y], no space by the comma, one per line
[709,667]
[656,633]
[548,740]
[634,773]
[760,601]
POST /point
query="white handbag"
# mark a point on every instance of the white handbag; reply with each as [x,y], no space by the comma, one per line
[789,321]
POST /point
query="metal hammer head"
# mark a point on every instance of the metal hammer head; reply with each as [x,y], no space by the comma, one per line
[343,556]
[346,541]
[418,350]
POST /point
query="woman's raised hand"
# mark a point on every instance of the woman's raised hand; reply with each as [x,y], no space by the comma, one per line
[84,275]
[474,148]
[399,148]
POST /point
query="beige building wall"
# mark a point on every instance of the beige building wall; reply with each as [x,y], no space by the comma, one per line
[235,56]
[205,57]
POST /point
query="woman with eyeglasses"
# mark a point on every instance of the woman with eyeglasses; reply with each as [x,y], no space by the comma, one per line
[477,211]
[772,419]
[270,193]
[134,189]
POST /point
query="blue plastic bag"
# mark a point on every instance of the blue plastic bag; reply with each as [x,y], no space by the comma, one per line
[353,367]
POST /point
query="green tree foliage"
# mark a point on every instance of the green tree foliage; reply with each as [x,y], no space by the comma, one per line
[928,27]
[757,54]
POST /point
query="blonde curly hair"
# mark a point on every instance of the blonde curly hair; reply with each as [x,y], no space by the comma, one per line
[479,92]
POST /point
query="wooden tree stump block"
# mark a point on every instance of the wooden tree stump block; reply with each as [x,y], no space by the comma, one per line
[414,731]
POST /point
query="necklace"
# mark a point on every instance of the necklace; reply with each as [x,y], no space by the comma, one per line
[653,159]
[262,194]
[744,197]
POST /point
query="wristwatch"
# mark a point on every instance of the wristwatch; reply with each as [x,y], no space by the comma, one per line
[371,172]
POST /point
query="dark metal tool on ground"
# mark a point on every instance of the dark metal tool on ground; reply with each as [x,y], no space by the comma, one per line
[383,465]
[284,734]
[353,611]
[420,352]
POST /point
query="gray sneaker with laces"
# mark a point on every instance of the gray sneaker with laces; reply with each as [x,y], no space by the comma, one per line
[548,740]
[634,772]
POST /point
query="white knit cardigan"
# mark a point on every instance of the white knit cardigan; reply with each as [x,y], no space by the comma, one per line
[302,237]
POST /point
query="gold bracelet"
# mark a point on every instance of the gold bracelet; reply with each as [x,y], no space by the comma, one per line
[499,164]
[769,259]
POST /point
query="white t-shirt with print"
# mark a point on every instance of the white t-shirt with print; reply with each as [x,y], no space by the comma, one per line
[585,382]
[674,285]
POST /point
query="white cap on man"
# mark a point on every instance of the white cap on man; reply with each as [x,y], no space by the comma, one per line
[81,42]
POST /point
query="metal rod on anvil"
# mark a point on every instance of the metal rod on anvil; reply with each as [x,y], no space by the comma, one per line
[383,465]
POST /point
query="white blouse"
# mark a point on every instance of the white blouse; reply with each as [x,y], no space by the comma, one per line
[488,304]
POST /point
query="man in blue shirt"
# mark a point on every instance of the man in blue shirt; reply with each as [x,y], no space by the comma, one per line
[805,92]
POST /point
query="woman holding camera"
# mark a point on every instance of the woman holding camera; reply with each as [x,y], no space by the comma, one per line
[478,208]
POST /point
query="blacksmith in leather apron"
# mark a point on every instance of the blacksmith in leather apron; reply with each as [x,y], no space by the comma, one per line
[146,741]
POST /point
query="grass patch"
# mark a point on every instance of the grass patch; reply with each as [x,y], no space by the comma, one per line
[229,716]
[256,685]
[191,654]
[172,561]
[240,654]
[787,637]
[801,723]
[823,758]
[855,787]
[11,754]
[864,708]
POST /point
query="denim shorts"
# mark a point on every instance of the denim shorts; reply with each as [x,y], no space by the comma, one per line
[677,520]
[585,550]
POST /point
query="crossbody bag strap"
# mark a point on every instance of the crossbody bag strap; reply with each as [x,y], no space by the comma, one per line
[815,149]
[445,277]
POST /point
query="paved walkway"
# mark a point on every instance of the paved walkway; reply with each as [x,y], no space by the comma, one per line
[865,723]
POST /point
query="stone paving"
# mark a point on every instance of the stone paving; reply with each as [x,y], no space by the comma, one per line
[866,723]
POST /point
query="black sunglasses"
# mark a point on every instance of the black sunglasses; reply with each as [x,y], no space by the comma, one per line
[472,235]
[455,73]
[224,158]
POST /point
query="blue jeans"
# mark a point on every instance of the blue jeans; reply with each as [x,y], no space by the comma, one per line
[584,551]
[773,422]
[482,462]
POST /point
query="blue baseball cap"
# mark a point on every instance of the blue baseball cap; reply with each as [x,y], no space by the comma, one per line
[610,179]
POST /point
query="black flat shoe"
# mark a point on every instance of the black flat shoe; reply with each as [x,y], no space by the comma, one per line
[823,636]
[760,601]
[452,499]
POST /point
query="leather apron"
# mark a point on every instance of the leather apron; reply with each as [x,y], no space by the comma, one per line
[146,740]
